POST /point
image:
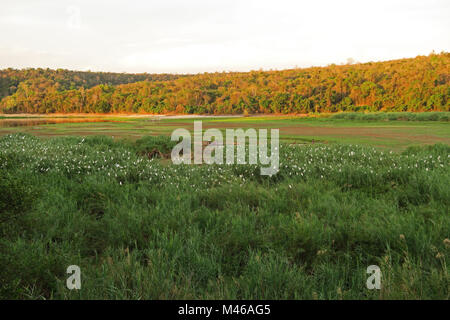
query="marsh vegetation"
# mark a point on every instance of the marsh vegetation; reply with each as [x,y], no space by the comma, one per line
[141,228]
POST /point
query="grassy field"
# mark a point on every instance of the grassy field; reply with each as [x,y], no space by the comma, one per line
[397,134]
[366,193]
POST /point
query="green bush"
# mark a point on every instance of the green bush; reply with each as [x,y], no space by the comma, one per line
[16,196]
[155,146]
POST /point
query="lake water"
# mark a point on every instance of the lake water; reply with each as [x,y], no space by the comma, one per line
[21,122]
[7,123]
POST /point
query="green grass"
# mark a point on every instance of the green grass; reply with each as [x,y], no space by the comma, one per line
[394,116]
[140,228]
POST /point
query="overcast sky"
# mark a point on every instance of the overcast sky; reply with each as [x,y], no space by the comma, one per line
[193,36]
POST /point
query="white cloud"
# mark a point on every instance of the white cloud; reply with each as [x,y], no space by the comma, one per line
[204,35]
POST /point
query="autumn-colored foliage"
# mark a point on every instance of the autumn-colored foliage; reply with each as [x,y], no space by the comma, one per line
[416,84]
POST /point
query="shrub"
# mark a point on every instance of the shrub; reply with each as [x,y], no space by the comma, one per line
[151,146]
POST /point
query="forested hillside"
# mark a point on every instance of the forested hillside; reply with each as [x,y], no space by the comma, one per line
[63,80]
[417,84]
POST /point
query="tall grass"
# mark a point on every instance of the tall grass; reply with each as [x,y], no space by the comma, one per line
[142,229]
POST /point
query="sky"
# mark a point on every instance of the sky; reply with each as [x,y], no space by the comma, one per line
[194,36]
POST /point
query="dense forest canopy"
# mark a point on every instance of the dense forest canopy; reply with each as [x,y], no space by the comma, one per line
[64,80]
[416,84]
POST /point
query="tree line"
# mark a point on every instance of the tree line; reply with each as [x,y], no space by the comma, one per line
[414,84]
